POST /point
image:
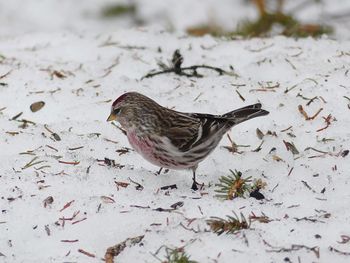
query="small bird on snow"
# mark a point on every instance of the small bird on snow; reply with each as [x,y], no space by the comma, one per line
[172,139]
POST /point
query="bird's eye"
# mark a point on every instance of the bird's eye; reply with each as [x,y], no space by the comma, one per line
[116,111]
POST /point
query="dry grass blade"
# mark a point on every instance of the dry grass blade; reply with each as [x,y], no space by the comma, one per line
[86,253]
[344,253]
[306,116]
[240,95]
[233,148]
[328,120]
[32,162]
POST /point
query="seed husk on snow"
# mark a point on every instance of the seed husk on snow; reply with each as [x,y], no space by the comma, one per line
[47,201]
[36,106]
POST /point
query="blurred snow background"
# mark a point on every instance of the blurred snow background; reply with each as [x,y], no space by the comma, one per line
[18,16]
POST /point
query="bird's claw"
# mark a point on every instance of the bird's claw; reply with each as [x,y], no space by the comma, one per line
[195,185]
[159,171]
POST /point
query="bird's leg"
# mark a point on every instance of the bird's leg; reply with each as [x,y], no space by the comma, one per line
[194,184]
[160,170]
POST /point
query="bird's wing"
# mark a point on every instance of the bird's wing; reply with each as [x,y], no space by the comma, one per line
[189,130]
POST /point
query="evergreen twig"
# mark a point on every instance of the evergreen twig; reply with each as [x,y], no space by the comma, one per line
[233,186]
[175,255]
[230,225]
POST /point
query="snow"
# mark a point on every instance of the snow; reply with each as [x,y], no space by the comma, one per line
[101,64]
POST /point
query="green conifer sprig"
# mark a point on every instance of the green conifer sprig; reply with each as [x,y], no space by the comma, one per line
[233,186]
[229,225]
[177,255]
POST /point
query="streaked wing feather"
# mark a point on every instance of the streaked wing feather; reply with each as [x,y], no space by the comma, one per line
[189,130]
[185,137]
[181,137]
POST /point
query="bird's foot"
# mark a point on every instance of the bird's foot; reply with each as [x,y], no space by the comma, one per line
[195,185]
[159,171]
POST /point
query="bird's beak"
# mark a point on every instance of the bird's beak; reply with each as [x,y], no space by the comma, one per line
[112,117]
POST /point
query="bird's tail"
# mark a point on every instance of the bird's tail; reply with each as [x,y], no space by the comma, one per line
[245,113]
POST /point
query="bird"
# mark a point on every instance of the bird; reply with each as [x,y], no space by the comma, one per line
[172,139]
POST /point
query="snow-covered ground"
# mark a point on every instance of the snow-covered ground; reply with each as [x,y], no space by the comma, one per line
[58,153]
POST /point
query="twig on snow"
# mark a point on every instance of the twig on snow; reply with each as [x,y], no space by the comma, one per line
[190,71]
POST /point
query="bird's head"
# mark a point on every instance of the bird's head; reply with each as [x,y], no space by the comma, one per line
[128,109]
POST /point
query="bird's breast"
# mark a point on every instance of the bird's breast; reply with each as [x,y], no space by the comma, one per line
[155,153]
[140,144]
